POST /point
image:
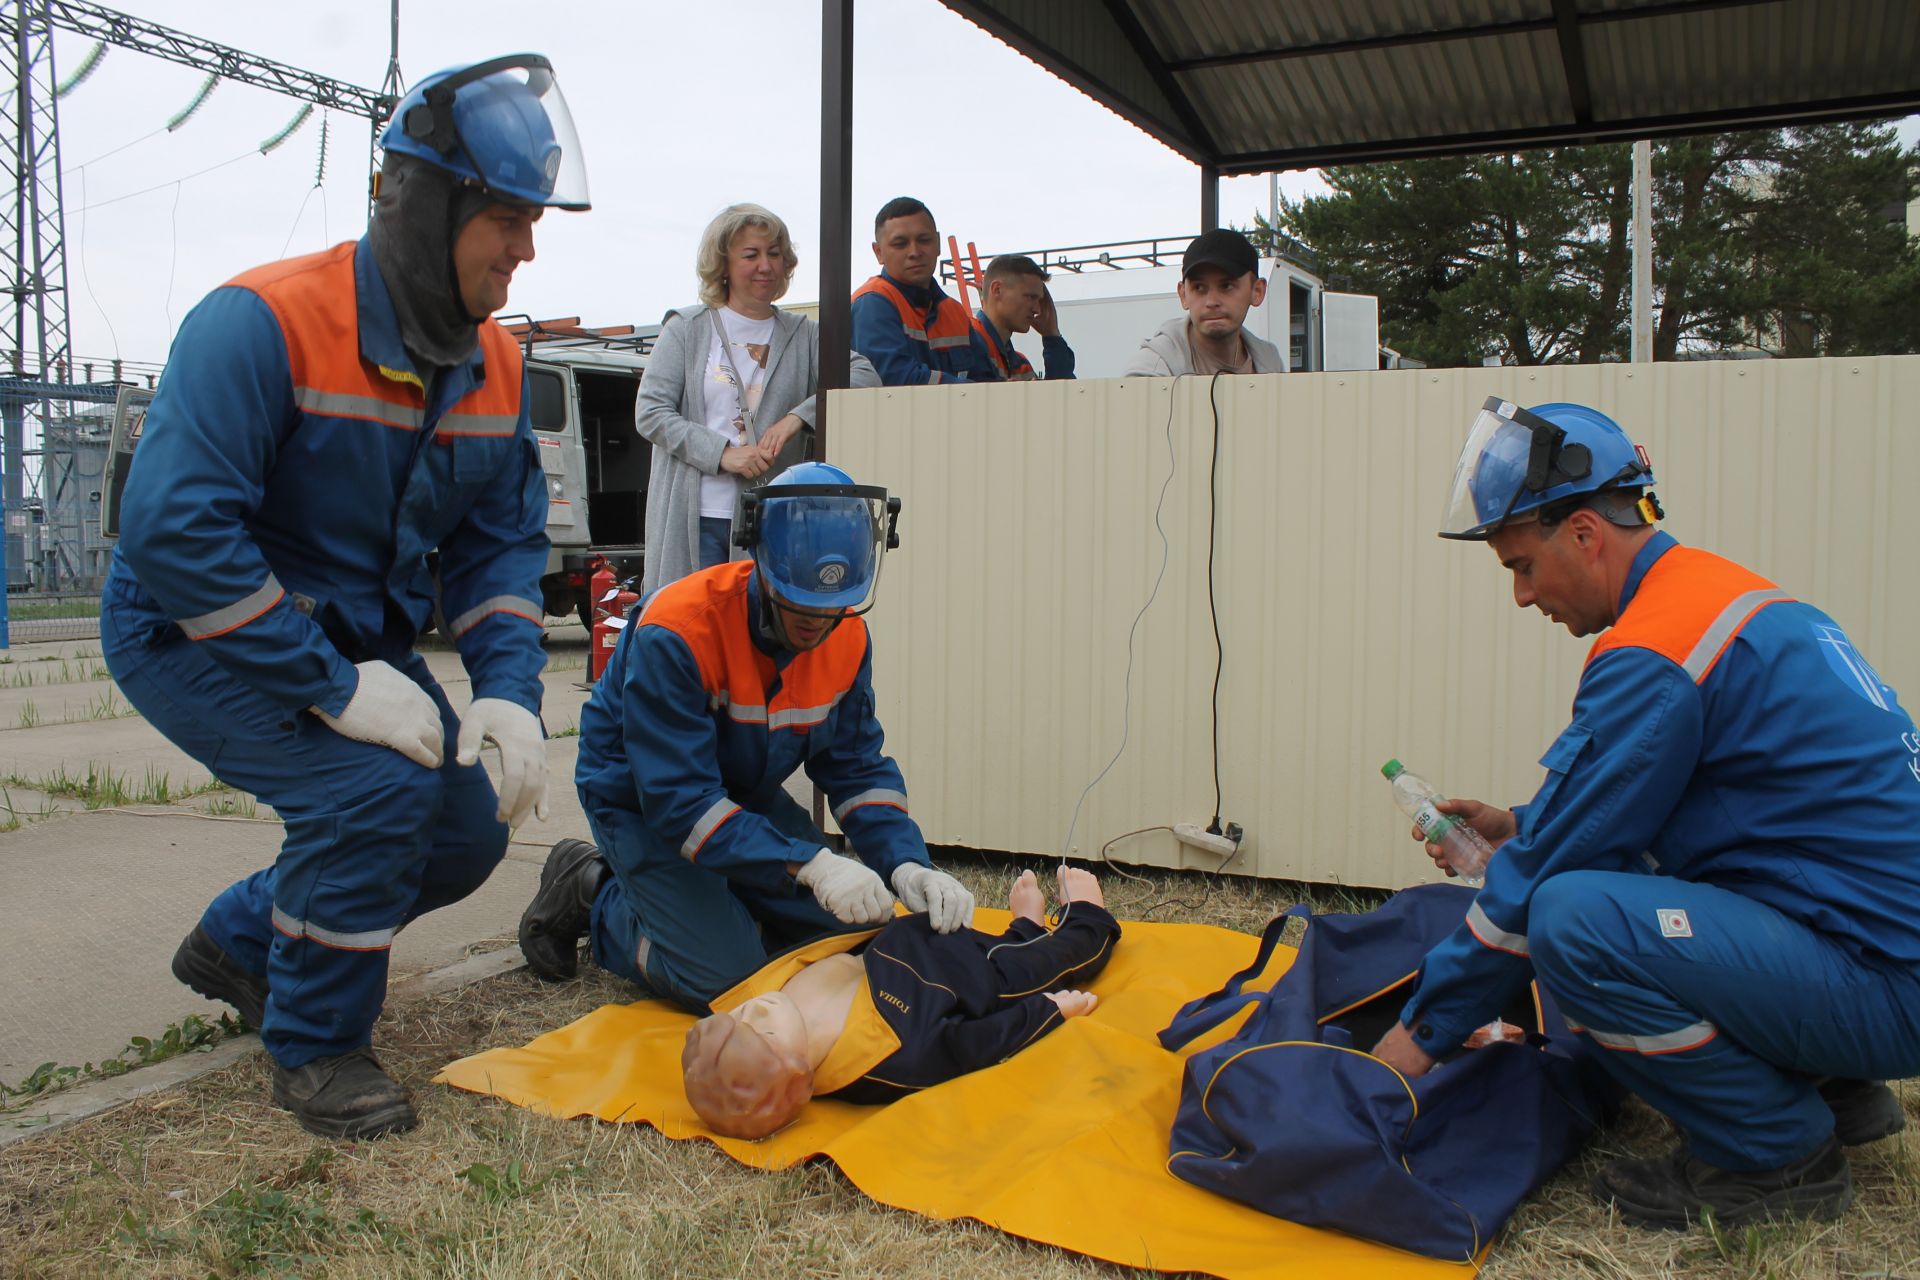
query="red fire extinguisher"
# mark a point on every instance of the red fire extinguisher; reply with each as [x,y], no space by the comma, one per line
[610,605]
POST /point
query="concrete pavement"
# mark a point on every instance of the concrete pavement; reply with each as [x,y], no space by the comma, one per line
[93,902]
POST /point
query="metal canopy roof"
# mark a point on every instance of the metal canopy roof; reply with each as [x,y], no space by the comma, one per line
[1250,86]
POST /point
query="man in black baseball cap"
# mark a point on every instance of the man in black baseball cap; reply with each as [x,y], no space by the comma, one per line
[1219,283]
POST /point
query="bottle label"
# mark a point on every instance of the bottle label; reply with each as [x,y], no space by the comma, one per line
[1432,823]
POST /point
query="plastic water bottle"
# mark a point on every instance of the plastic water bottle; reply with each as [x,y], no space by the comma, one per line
[1466,850]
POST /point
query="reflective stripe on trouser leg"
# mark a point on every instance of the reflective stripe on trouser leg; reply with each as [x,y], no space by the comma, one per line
[1703,1019]
[362,826]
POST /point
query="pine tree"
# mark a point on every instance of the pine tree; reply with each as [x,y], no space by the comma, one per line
[1794,239]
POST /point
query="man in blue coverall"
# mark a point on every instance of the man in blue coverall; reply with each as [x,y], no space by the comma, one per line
[913,332]
[1716,879]
[728,681]
[324,423]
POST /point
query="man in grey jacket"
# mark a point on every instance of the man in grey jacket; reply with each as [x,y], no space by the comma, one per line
[1219,283]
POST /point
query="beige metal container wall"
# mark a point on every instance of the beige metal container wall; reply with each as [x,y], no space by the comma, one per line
[1351,633]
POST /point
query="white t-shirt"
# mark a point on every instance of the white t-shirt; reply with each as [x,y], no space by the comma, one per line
[749,342]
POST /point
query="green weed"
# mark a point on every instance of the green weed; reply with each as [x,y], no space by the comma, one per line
[254,1229]
[571,731]
[29,715]
[234,804]
[192,1034]
[515,1182]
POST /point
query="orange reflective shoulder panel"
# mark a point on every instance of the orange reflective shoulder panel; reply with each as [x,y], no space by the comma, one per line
[1688,608]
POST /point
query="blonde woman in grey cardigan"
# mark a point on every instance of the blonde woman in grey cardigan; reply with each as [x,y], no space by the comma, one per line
[728,391]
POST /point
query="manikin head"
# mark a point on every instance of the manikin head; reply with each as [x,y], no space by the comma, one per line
[746,1070]
[905,242]
[1220,282]
[1016,286]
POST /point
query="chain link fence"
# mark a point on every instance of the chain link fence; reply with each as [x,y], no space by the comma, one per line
[39,616]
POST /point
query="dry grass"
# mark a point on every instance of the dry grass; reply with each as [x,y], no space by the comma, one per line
[210,1179]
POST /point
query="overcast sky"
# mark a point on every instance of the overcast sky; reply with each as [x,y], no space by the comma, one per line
[682,108]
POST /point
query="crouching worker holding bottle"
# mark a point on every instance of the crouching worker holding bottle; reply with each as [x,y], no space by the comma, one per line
[727,682]
[873,1017]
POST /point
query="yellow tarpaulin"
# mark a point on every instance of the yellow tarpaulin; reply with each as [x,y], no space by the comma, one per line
[1064,1143]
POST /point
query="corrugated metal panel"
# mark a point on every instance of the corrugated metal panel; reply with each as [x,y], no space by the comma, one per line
[1497,76]
[1350,632]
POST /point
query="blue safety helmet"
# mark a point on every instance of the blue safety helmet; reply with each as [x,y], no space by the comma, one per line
[501,125]
[818,538]
[1519,461]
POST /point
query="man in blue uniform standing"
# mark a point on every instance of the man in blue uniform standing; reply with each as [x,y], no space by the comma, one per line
[727,682]
[325,423]
[1716,879]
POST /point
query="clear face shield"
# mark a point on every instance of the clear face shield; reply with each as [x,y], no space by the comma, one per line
[1511,460]
[820,547]
[508,119]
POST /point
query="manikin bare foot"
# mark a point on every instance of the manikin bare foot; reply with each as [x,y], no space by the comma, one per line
[1074,1004]
[1025,899]
[1079,886]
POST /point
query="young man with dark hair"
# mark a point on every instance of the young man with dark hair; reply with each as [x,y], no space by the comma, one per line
[1219,283]
[912,331]
[1014,299]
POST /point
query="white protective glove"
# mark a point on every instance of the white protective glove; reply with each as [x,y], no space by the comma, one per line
[947,902]
[850,890]
[391,710]
[523,755]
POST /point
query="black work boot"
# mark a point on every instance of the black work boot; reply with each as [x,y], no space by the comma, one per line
[1674,1189]
[346,1096]
[204,965]
[562,908]
[1863,1110]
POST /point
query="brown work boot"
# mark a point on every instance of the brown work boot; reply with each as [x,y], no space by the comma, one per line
[346,1096]
[562,909]
[1675,1189]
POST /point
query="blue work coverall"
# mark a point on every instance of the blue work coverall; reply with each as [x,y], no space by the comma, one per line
[685,748]
[1717,879]
[917,335]
[294,470]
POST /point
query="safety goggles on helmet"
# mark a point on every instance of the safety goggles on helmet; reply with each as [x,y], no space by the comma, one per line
[502,126]
[1517,461]
[819,547]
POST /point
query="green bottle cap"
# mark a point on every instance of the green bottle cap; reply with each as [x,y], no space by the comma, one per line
[1392,769]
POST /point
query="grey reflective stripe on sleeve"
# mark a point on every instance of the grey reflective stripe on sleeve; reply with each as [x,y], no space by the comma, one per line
[918,335]
[802,717]
[1666,1042]
[947,343]
[709,823]
[477,424]
[238,614]
[1715,638]
[878,795]
[518,605]
[370,940]
[337,404]
[1491,934]
[739,712]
